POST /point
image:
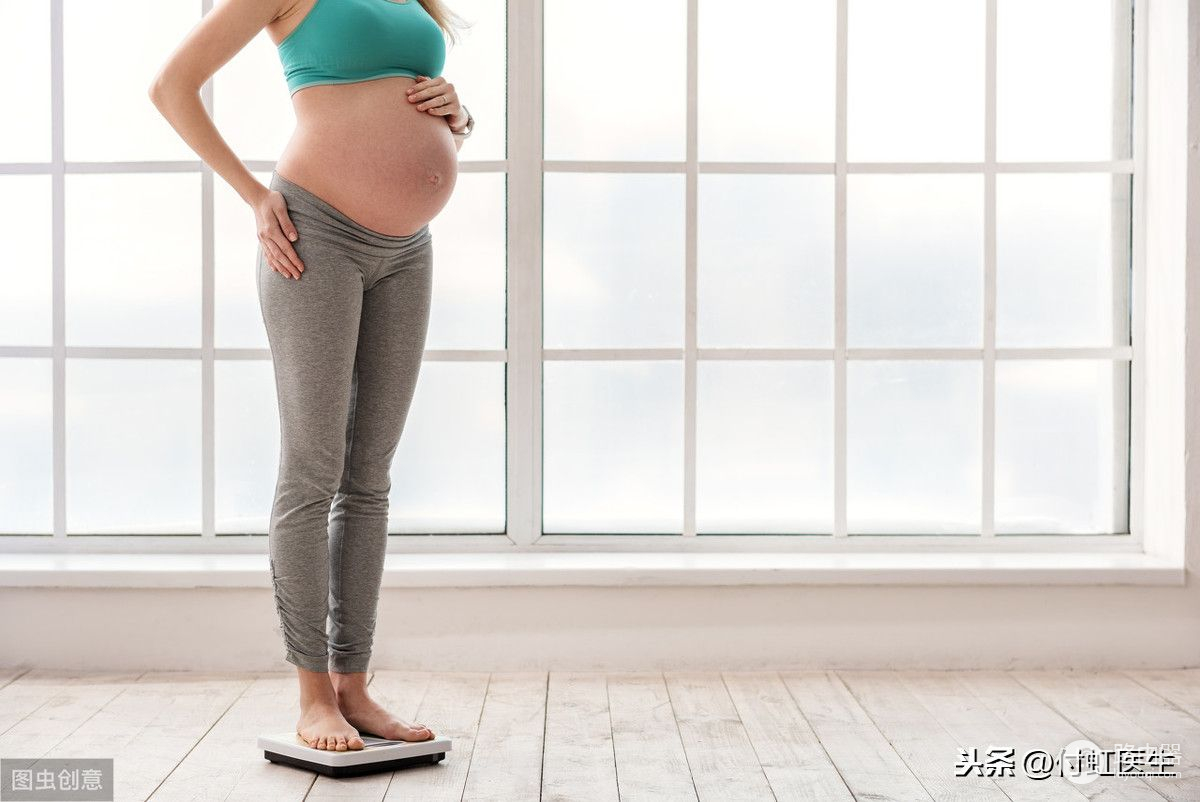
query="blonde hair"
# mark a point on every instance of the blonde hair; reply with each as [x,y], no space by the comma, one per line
[446,19]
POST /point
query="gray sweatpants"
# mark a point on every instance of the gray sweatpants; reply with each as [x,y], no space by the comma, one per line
[346,339]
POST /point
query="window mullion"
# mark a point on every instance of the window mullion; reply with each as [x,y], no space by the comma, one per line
[691,169]
[1121,227]
[839,280]
[207,333]
[523,297]
[987,522]
[58,268]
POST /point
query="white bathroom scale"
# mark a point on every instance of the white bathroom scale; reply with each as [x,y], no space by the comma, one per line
[377,754]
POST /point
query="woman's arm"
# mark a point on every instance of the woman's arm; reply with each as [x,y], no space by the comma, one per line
[175,91]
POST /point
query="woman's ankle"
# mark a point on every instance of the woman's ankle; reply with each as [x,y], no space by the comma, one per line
[348,684]
[316,690]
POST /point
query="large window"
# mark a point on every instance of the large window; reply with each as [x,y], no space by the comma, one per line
[838,268]
[809,270]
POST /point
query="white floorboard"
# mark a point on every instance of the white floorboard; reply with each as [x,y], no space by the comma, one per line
[595,737]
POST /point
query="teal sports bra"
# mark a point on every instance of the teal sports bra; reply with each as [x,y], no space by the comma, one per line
[347,41]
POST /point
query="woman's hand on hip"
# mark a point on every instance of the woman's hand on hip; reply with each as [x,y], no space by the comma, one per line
[276,233]
[438,97]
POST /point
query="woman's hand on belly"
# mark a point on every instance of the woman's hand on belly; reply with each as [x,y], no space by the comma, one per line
[438,97]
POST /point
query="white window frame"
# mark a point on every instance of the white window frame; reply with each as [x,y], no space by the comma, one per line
[1155,354]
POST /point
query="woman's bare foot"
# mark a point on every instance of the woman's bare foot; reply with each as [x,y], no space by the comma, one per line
[368,715]
[322,726]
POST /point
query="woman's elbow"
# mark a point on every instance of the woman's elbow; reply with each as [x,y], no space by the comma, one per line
[164,86]
[155,90]
[158,89]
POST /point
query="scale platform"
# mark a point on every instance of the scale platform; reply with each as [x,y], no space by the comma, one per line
[377,754]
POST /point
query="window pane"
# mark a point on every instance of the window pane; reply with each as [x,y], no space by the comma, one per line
[915,80]
[25,81]
[764,450]
[251,104]
[26,447]
[1054,79]
[598,102]
[476,66]
[613,260]
[1055,446]
[246,459]
[1055,260]
[237,317]
[765,261]
[133,446]
[448,471]
[794,80]
[25,270]
[133,259]
[612,447]
[469,279]
[914,258]
[913,454]
[111,53]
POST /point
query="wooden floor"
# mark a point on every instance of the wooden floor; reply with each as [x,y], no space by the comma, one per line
[820,735]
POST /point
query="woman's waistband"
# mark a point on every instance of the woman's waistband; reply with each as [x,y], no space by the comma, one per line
[334,217]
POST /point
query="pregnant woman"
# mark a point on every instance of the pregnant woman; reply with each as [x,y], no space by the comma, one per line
[344,277]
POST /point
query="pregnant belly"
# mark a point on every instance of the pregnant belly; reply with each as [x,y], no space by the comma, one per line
[370,153]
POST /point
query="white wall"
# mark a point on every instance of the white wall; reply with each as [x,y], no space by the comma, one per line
[580,628]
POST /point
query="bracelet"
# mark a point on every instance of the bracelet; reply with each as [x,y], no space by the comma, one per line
[469,129]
